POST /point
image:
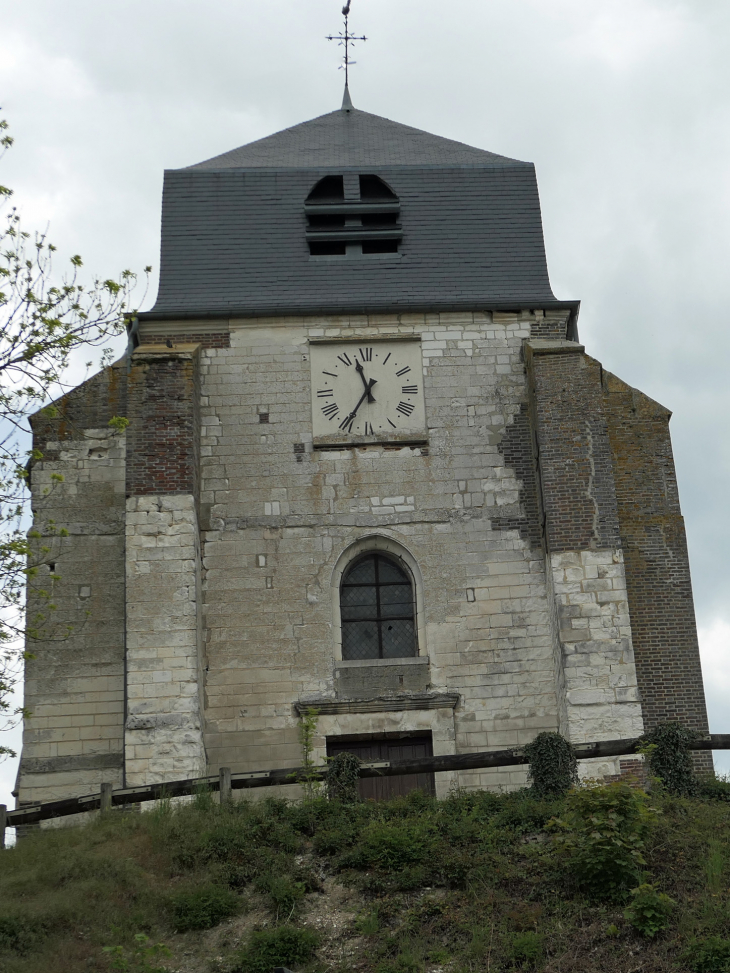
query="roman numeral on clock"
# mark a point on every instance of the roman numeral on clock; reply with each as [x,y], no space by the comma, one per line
[405,408]
[366,355]
[325,393]
[331,410]
[406,390]
[345,358]
[347,422]
[369,429]
[403,371]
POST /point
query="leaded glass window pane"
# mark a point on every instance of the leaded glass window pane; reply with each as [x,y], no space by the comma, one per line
[396,601]
[398,639]
[359,602]
[362,572]
[360,640]
[376,602]
[389,572]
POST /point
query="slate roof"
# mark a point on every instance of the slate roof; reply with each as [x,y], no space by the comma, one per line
[352,140]
[233,227]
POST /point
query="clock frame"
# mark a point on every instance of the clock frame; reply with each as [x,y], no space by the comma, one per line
[367,391]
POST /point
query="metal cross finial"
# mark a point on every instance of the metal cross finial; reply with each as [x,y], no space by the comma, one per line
[346,39]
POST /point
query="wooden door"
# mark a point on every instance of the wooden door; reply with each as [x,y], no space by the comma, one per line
[397,748]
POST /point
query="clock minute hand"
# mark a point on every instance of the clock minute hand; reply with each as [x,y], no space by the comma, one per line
[368,385]
[347,422]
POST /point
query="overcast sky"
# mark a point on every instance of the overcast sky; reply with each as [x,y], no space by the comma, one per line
[623,105]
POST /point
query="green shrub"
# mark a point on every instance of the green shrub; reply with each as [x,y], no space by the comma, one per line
[553,768]
[332,840]
[283,946]
[402,963]
[392,845]
[525,950]
[143,959]
[649,910]
[368,922]
[522,813]
[670,759]
[282,891]
[714,788]
[710,955]
[203,907]
[602,837]
[19,934]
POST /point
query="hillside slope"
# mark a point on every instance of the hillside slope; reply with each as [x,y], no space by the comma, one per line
[479,882]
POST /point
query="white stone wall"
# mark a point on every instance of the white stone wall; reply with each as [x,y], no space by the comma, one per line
[74,681]
[601,694]
[163,736]
[279,519]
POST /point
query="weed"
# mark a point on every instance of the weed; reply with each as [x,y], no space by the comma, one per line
[203,907]
[402,963]
[714,788]
[525,950]
[710,955]
[714,865]
[282,891]
[307,729]
[19,934]
[282,946]
[334,840]
[602,837]
[142,959]
[391,845]
[368,923]
[649,910]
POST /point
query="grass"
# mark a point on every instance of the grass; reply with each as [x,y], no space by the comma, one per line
[478,882]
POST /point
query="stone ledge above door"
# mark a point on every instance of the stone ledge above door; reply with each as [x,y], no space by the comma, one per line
[379,704]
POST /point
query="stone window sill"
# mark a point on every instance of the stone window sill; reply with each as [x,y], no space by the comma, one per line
[413,660]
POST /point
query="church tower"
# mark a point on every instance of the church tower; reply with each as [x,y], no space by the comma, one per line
[369,470]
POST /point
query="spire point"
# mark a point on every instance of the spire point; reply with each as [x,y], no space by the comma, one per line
[346,100]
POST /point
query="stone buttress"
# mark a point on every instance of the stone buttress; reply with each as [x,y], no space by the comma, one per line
[596,671]
[163,730]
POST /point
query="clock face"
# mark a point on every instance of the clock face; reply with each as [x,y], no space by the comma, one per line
[367,391]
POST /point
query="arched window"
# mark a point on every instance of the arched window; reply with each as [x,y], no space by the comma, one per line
[377,610]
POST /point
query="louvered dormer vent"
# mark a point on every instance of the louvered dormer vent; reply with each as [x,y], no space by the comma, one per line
[337,226]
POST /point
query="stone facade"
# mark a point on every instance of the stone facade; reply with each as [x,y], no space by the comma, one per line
[221,569]
[525,495]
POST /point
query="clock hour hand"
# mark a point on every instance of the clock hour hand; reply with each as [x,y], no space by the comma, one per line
[368,385]
[347,422]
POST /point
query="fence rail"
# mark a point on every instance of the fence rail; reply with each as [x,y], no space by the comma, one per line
[225,781]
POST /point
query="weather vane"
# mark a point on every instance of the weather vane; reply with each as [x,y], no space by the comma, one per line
[346,40]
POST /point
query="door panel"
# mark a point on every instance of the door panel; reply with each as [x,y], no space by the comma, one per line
[399,748]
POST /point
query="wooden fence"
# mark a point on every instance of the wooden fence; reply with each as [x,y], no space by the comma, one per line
[226,782]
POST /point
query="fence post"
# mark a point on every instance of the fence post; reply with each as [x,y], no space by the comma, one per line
[226,793]
[106,797]
[3,823]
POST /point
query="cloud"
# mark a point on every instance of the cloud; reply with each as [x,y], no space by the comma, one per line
[715,652]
